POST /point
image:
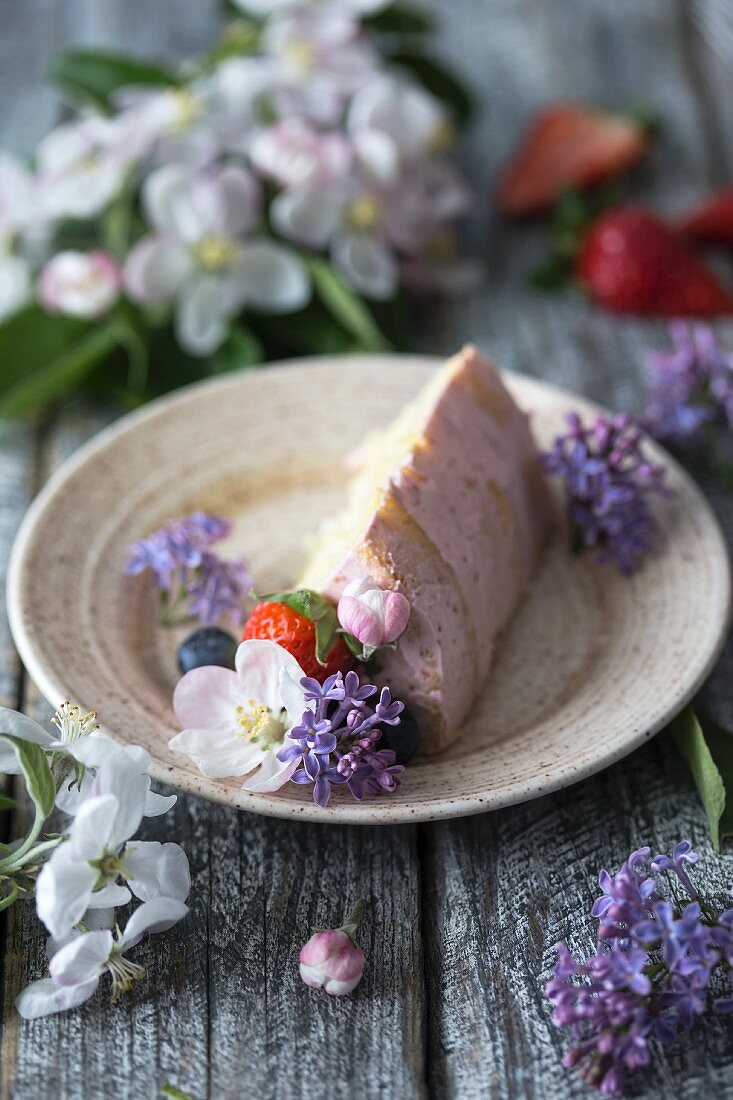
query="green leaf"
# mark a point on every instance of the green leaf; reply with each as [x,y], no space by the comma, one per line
[43,357]
[312,606]
[36,772]
[398,19]
[692,743]
[174,1093]
[344,305]
[241,350]
[437,80]
[93,76]
[6,803]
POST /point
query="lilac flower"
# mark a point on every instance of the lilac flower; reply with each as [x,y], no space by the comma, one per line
[690,386]
[608,480]
[649,978]
[336,742]
[218,591]
[191,579]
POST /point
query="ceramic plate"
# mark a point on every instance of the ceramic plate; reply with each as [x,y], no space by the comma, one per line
[592,665]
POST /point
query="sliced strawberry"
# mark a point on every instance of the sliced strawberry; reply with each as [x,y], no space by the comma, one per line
[568,146]
[294,631]
[631,262]
[712,220]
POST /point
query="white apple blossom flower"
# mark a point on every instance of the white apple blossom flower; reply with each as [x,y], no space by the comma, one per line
[293,154]
[82,166]
[83,872]
[320,60]
[238,720]
[200,258]
[395,123]
[369,226]
[77,967]
[80,284]
[17,201]
[16,284]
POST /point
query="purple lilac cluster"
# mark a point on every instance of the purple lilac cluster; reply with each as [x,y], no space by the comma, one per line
[337,741]
[652,970]
[690,385]
[193,581]
[608,480]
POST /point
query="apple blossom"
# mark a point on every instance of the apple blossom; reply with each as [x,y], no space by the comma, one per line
[80,284]
[82,166]
[199,258]
[238,720]
[411,119]
[293,153]
[330,960]
[372,615]
[77,967]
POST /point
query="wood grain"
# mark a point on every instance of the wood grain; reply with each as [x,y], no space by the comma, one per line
[479,902]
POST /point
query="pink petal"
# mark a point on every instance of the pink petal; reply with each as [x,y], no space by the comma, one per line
[207,698]
[396,615]
[358,619]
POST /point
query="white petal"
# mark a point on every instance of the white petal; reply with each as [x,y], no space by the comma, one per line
[216,754]
[238,198]
[306,216]
[207,698]
[122,778]
[24,728]
[156,870]
[110,896]
[273,279]
[156,269]
[157,804]
[166,201]
[271,774]
[44,997]
[63,889]
[378,153]
[202,317]
[368,264]
[92,829]
[70,798]
[153,916]
[83,959]
[292,695]
[258,664]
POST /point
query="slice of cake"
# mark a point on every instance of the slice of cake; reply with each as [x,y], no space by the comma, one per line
[448,505]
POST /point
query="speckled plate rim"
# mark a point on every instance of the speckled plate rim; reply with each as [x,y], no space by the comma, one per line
[372,812]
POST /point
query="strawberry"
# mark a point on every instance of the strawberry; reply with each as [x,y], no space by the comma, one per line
[296,629]
[712,220]
[568,146]
[631,262]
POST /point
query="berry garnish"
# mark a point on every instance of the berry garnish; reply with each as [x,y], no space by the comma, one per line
[569,146]
[305,624]
[631,262]
[712,220]
[207,646]
[403,740]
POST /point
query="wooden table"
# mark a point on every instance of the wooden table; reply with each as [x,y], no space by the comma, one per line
[463,915]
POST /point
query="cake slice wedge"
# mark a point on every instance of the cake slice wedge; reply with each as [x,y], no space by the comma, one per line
[448,505]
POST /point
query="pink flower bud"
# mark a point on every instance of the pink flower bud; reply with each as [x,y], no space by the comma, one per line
[80,284]
[332,961]
[372,615]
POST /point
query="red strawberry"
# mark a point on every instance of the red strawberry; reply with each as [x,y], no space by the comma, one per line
[631,262]
[568,146]
[712,220]
[296,633]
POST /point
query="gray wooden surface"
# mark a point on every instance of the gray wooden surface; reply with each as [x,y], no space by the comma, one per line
[463,915]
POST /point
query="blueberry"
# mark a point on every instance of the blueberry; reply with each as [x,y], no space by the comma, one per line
[404,740]
[207,646]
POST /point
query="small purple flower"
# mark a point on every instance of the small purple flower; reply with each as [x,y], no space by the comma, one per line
[219,590]
[192,580]
[681,854]
[608,480]
[337,740]
[691,385]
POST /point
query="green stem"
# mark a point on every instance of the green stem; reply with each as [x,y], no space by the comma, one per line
[11,862]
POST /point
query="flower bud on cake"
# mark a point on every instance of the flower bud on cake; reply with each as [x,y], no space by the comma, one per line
[79,284]
[372,615]
[332,961]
